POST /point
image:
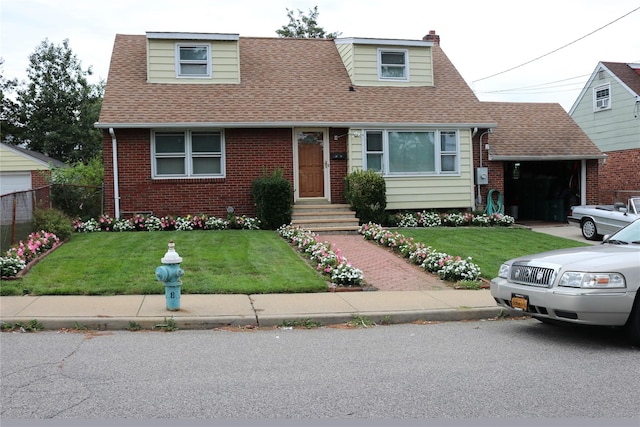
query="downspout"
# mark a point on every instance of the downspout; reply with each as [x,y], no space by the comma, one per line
[116,190]
[480,154]
[473,200]
[583,182]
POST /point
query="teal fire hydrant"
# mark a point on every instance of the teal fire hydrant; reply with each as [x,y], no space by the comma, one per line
[170,273]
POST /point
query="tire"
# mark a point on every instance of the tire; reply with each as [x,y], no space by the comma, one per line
[633,324]
[589,230]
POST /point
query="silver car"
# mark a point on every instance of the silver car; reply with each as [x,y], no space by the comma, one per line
[594,285]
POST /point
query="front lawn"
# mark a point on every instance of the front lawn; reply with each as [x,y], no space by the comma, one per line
[489,247]
[229,261]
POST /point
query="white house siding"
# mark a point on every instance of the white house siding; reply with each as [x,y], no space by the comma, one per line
[613,129]
[361,62]
[161,62]
[424,192]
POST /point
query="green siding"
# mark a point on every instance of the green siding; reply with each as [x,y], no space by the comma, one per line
[361,62]
[425,192]
[161,62]
[613,129]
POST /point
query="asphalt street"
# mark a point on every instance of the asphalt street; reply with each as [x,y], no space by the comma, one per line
[519,369]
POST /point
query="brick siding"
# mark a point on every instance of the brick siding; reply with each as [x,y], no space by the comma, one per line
[619,176]
[247,153]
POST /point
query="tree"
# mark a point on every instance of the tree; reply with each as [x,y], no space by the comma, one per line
[305,26]
[58,107]
[9,126]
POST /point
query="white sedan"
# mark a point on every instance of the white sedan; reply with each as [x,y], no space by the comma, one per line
[593,285]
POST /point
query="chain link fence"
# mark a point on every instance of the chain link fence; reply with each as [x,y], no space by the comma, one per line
[16,209]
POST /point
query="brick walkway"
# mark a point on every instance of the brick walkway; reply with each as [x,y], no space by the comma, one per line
[382,268]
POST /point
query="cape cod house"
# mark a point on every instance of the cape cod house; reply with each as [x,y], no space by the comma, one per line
[608,110]
[191,119]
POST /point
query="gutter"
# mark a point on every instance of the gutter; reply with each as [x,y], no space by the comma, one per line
[116,189]
[546,158]
[258,125]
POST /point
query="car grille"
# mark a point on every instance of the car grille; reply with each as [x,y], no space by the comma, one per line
[532,276]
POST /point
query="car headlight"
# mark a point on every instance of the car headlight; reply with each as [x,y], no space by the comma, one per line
[504,271]
[574,279]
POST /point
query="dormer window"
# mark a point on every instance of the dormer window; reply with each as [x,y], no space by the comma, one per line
[601,98]
[193,60]
[393,64]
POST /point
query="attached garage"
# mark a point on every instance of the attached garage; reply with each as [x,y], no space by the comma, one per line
[539,160]
[14,181]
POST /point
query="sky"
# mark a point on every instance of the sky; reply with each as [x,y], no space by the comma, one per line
[483,39]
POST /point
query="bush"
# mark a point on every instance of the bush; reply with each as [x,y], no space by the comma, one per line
[273,197]
[366,192]
[53,221]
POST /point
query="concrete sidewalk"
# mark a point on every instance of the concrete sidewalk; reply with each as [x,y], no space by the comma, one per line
[266,310]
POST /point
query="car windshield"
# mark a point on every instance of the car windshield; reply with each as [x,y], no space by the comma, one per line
[629,234]
[636,204]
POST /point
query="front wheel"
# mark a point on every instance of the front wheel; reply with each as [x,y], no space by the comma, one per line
[589,230]
[633,324]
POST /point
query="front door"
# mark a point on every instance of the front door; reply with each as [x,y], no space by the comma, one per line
[311,163]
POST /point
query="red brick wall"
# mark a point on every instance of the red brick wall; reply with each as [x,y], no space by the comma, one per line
[39,178]
[247,152]
[619,176]
[338,167]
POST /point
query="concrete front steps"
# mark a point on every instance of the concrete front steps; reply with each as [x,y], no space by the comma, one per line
[320,216]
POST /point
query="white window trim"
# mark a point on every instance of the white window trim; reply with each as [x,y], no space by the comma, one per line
[438,153]
[603,103]
[188,155]
[406,65]
[179,62]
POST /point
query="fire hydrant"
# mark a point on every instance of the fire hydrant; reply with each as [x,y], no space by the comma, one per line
[170,273]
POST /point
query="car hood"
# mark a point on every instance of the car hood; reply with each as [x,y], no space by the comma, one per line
[604,257]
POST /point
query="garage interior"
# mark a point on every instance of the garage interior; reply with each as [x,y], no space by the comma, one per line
[541,190]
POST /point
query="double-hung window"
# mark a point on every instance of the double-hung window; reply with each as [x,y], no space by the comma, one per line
[184,154]
[412,152]
[393,64]
[193,60]
[601,98]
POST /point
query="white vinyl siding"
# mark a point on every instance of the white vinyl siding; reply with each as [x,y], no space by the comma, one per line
[163,62]
[188,154]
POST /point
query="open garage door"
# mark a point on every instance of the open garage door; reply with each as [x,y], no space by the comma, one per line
[541,190]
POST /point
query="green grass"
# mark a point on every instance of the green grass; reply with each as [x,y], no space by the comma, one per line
[238,261]
[231,261]
[488,247]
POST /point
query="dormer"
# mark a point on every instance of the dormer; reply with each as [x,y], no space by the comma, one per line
[193,58]
[387,62]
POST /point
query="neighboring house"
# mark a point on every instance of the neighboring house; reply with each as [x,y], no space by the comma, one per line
[608,110]
[191,119]
[540,160]
[22,169]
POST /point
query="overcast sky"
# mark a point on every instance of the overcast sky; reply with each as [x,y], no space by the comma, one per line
[481,38]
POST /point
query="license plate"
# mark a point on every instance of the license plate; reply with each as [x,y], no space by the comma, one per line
[519,302]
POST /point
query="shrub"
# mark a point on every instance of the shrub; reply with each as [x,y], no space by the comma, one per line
[53,221]
[366,192]
[273,197]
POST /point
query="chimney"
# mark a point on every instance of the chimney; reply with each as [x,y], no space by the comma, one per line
[432,37]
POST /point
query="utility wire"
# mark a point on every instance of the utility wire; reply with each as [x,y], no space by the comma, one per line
[555,50]
[540,86]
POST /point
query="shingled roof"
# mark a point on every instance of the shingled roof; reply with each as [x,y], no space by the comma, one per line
[537,131]
[629,76]
[284,82]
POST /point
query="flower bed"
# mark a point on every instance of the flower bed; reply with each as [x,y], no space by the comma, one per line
[141,222]
[18,257]
[328,261]
[447,267]
[435,219]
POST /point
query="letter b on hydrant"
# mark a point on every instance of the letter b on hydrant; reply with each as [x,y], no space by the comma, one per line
[170,273]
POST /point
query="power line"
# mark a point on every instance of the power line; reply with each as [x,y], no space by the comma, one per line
[541,86]
[555,50]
